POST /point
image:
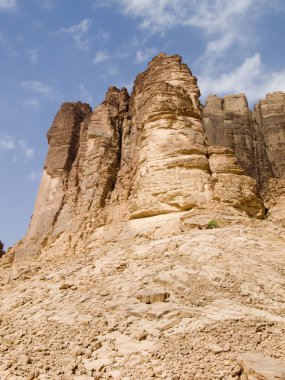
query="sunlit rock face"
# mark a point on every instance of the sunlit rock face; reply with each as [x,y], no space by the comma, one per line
[172,165]
[133,157]
[173,170]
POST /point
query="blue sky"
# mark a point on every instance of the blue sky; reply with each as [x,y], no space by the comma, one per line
[67,50]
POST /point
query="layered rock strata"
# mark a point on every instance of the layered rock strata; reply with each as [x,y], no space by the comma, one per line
[133,157]
[257,138]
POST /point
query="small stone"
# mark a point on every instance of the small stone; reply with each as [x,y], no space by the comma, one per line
[141,335]
[215,348]
[76,351]
[64,286]
[24,360]
[226,347]
[116,375]
[97,345]
[236,370]
[257,339]
[153,296]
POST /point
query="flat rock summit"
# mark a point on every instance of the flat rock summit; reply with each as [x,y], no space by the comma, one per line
[156,248]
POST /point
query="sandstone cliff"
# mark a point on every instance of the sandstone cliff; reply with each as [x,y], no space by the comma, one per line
[132,157]
[257,138]
[149,255]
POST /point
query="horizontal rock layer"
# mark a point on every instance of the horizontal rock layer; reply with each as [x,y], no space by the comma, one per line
[257,138]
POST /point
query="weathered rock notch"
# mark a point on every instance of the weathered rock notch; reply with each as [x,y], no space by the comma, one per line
[149,153]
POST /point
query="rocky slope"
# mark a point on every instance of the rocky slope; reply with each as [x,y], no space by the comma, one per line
[149,254]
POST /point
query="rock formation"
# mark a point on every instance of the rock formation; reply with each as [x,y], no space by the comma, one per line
[133,157]
[257,138]
[148,253]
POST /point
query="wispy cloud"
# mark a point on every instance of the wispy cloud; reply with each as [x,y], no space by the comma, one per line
[85,95]
[35,175]
[227,29]
[102,35]
[250,77]
[31,103]
[48,4]
[101,56]
[8,4]
[143,55]
[224,23]
[7,43]
[27,151]
[39,87]
[80,33]
[33,55]
[7,143]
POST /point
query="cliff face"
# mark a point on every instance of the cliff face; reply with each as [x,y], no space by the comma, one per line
[132,278]
[257,138]
[149,154]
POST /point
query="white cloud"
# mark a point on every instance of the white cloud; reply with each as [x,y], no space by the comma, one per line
[85,95]
[101,56]
[8,4]
[224,23]
[39,87]
[26,150]
[32,103]
[102,35]
[250,78]
[33,55]
[35,175]
[7,43]
[47,4]
[79,33]
[7,143]
[143,55]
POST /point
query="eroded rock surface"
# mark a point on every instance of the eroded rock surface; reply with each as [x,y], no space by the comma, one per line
[146,257]
[257,138]
[133,157]
[146,300]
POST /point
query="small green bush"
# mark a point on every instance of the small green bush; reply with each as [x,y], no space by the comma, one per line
[212,224]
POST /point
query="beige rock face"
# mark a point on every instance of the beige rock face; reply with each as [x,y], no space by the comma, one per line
[133,157]
[172,168]
[259,367]
[275,200]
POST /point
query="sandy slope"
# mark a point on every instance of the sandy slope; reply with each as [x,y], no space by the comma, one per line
[86,316]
